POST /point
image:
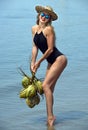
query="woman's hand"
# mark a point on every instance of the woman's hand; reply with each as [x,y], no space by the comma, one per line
[32,67]
[35,66]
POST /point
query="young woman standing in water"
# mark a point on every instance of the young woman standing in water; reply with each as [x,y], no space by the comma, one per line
[44,39]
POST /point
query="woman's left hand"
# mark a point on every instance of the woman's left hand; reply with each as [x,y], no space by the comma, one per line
[36,66]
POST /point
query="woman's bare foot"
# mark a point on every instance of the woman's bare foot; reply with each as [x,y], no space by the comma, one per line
[51,120]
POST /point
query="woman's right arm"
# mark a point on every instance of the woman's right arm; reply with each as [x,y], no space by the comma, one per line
[34,52]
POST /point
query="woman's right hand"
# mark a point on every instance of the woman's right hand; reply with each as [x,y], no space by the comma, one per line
[32,68]
[35,66]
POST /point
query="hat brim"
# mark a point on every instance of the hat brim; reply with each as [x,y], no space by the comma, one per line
[40,9]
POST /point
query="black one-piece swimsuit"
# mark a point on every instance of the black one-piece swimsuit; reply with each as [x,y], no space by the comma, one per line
[41,42]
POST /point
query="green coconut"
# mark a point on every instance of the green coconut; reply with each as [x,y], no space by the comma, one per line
[31,91]
[39,87]
[26,81]
[23,93]
[30,103]
[36,99]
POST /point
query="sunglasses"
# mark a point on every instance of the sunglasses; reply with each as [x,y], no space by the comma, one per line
[45,15]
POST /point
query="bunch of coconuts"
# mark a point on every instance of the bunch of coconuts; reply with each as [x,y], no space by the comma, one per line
[32,89]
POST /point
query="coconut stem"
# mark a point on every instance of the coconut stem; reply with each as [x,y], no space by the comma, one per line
[23,73]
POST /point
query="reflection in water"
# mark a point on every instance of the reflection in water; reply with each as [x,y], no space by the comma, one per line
[50,128]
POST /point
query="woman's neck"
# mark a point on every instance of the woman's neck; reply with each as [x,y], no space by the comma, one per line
[42,25]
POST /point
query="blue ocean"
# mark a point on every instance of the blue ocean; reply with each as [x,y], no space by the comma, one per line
[71,91]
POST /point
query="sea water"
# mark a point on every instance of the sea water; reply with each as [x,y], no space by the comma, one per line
[71,91]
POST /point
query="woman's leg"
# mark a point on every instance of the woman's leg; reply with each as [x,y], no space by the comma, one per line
[48,68]
[48,85]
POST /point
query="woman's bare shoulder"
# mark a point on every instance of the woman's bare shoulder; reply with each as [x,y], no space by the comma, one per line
[49,29]
[34,28]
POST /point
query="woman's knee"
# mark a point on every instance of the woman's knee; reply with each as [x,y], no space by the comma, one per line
[45,87]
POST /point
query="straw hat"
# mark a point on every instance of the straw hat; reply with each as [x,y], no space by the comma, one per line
[48,10]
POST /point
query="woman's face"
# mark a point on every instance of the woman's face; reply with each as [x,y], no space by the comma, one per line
[44,17]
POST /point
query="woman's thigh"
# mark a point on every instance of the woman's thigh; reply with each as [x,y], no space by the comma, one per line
[55,70]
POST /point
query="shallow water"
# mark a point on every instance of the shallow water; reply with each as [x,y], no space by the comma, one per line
[71,93]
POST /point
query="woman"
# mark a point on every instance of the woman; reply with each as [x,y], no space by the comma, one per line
[44,39]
